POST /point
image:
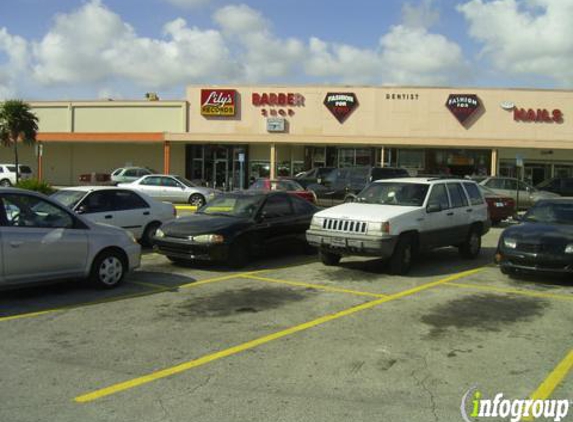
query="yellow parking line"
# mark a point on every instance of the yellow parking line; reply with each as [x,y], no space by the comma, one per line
[555,378]
[154,376]
[186,207]
[314,286]
[513,291]
[81,305]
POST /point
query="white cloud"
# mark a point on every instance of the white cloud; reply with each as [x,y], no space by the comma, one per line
[525,38]
[421,15]
[188,4]
[93,45]
[15,49]
[92,49]
[263,55]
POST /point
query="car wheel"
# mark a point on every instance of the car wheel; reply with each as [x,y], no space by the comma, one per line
[149,233]
[5,183]
[108,269]
[238,254]
[471,248]
[328,258]
[197,200]
[401,260]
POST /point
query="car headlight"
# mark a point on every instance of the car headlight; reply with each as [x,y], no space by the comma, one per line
[207,238]
[375,227]
[510,243]
[569,248]
[159,234]
[317,222]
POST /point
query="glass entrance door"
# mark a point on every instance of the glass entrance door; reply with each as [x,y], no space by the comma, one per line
[221,174]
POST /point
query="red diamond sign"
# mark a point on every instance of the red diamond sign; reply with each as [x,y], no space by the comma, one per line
[341,104]
[463,106]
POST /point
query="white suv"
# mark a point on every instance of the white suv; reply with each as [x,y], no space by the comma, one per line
[394,219]
[8,174]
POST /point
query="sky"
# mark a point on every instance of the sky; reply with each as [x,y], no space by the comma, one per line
[122,49]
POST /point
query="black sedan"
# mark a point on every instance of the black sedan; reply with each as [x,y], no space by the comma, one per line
[543,242]
[236,226]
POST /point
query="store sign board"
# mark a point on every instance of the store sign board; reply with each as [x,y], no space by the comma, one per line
[218,102]
[275,124]
[463,106]
[277,99]
[540,115]
[341,104]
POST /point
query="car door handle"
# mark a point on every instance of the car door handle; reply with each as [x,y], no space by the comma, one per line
[146,213]
[450,214]
[16,244]
[108,217]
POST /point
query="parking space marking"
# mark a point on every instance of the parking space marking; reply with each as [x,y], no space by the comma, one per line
[186,207]
[177,369]
[313,286]
[555,378]
[513,291]
[83,305]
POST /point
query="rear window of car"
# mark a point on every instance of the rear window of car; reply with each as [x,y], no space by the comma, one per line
[25,169]
[457,195]
[473,193]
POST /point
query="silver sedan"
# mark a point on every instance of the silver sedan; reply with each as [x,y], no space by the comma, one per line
[172,188]
[41,240]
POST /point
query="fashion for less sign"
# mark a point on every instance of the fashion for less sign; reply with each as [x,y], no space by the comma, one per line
[218,102]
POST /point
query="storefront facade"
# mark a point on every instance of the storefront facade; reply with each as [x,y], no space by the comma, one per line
[225,136]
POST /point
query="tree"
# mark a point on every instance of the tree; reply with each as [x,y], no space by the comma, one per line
[17,124]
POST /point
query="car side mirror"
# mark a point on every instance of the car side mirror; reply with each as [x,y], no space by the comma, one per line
[433,207]
[82,209]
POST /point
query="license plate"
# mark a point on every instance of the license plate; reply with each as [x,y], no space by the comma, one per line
[338,241]
[499,204]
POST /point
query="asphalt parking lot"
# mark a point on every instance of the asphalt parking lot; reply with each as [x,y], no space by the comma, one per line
[286,339]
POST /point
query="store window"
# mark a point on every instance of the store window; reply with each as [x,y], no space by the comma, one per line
[259,169]
[411,158]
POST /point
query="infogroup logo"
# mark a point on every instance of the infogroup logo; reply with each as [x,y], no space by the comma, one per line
[474,406]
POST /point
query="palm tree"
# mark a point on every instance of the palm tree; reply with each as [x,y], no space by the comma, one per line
[17,124]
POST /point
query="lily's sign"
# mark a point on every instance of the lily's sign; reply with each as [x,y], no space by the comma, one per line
[218,102]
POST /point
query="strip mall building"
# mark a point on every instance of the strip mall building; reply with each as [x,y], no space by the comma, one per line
[219,132]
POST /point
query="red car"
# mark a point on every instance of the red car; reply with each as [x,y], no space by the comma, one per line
[499,206]
[289,186]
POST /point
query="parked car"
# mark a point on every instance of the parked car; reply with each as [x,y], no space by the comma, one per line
[236,226]
[313,176]
[500,207]
[542,242]
[342,184]
[8,174]
[125,208]
[172,188]
[395,219]
[562,186]
[508,186]
[289,186]
[44,241]
[129,174]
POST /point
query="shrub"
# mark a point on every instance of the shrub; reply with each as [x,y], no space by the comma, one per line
[35,185]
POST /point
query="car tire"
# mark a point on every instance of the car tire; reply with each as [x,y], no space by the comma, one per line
[329,259]
[108,269]
[197,200]
[149,233]
[238,254]
[471,247]
[5,183]
[401,260]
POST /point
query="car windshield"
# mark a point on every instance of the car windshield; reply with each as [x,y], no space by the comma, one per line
[186,182]
[69,198]
[550,212]
[394,193]
[233,206]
